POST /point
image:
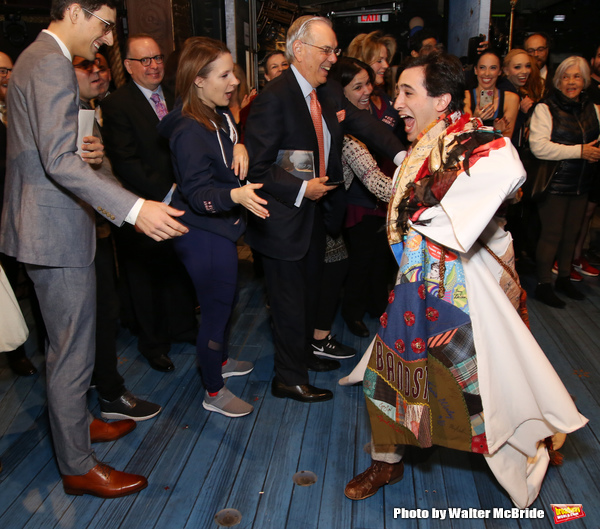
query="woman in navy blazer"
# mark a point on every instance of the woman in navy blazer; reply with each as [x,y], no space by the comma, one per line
[209,165]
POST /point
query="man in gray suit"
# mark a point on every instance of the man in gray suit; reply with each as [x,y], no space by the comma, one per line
[48,224]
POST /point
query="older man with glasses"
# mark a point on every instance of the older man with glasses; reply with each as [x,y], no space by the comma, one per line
[300,112]
[160,294]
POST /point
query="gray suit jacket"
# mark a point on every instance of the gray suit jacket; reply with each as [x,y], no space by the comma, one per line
[50,193]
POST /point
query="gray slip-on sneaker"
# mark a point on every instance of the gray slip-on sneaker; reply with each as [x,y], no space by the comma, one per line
[236,368]
[226,403]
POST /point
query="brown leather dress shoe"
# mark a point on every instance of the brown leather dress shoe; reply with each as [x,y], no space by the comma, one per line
[105,482]
[105,432]
[371,480]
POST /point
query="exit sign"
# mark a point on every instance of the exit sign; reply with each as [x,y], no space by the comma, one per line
[369,19]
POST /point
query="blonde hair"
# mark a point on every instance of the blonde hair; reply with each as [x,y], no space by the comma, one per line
[366,46]
[534,86]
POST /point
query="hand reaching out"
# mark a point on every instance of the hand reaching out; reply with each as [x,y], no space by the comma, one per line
[246,196]
[155,219]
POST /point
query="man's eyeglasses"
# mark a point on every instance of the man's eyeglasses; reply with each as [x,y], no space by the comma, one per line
[108,26]
[88,66]
[327,50]
[541,49]
[147,61]
[5,71]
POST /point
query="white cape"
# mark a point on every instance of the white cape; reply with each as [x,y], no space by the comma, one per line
[524,400]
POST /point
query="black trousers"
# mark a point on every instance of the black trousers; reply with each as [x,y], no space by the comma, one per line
[371,269]
[109,383]
[159,291]
[293,290]
[334,275]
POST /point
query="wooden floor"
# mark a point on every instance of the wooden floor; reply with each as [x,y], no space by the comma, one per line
[199,463]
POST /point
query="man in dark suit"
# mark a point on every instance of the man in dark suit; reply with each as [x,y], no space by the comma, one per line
[292,239]
[48,224]
[160,291]
[116,402]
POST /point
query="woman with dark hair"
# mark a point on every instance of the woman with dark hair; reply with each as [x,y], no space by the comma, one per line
[209,164]
[495,106]
[564,128]
[370,263]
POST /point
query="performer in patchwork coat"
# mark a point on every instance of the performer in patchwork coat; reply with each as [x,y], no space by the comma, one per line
[453,363]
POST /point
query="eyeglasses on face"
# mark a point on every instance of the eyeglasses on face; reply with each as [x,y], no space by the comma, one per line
[147,61]
[108,26]
[5,71]
[327,50]
[88,66]
[541,49]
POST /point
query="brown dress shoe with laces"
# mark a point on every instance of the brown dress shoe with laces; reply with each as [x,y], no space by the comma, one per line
[371,480]
[105,432]
[105,482]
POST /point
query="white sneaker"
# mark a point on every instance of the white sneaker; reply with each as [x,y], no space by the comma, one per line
[226,403]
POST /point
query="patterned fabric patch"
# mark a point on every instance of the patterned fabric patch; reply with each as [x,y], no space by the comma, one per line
[421,383]
[465,374]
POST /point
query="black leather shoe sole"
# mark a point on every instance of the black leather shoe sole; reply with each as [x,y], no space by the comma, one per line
[302,393]
[161,363]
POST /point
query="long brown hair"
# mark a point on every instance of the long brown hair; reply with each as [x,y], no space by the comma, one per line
[197,58]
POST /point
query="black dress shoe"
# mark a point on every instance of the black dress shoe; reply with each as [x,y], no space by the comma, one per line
[358,328]
[161,363]
[316,363]
[302,392]
[22,366]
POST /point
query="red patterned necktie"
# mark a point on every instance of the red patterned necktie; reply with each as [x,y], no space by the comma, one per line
[315,114]
[161,109]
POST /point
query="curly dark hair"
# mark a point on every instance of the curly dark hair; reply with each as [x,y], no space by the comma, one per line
[443,75]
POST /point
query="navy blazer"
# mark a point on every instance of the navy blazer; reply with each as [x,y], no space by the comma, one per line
[280,119]
[203,174]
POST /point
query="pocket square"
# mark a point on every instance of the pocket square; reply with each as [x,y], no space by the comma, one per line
[341,115]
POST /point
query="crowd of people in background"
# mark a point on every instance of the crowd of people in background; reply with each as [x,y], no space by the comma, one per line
[189,173]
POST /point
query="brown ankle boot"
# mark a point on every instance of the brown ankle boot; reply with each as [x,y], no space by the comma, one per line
[371,480]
